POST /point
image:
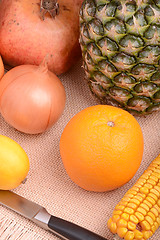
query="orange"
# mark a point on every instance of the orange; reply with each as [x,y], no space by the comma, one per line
[101,148]
[1,68]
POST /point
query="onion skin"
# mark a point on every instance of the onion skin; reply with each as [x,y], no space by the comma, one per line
[32,98]
[27,39]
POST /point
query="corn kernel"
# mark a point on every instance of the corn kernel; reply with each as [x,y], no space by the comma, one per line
[139,198]
[129,236]
[149,172]
[141,195]
[152,216]
[132,205]
[131,191]
[148,185]
[109,222]
[151,200]
[157,160]
[121,232]
[149,219]
[135,188]
[128,210]
[115,218]
[157,207]
[118,212]
[147,234]
[152,168]
[131,226]
[124,203]
[154,178]
[130,195]
[157,171]
[142,211]
[122,223]
[138,235]
[158,202]
[136,201]
[153,229]
[143,205]
[144,190]
[126,198]
[134,219]
[141,181]
[158,220]
[156,225]
[157,188]
[119,207]
[147,203]
[145,175]
[113,227]
[152,182]
[153,196]
[145,225]
[125,216]
[156,175]
[154,211]
[140,216]
[138,185]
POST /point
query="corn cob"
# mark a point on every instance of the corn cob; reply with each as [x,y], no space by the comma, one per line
[137,215]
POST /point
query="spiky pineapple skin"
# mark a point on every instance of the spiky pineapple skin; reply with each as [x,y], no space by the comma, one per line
[120,43]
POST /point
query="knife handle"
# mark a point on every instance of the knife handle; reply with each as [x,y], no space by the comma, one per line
[71,231]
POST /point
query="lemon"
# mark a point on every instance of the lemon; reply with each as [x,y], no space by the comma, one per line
[14,163]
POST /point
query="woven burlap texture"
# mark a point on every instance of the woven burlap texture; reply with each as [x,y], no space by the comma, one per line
[49,185]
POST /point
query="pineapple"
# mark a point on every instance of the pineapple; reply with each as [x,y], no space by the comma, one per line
[120,43]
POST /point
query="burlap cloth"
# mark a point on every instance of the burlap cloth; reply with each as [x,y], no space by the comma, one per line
[49,185]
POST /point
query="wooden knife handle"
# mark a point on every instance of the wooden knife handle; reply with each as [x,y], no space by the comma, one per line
[71,231]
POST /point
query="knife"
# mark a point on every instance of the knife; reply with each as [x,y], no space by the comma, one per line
[39,215]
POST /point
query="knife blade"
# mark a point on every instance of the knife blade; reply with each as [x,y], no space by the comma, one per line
[39,215]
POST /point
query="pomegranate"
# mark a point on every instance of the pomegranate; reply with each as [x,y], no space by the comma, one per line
[30,30]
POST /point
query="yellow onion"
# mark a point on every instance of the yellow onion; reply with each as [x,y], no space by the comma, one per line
[32,98]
